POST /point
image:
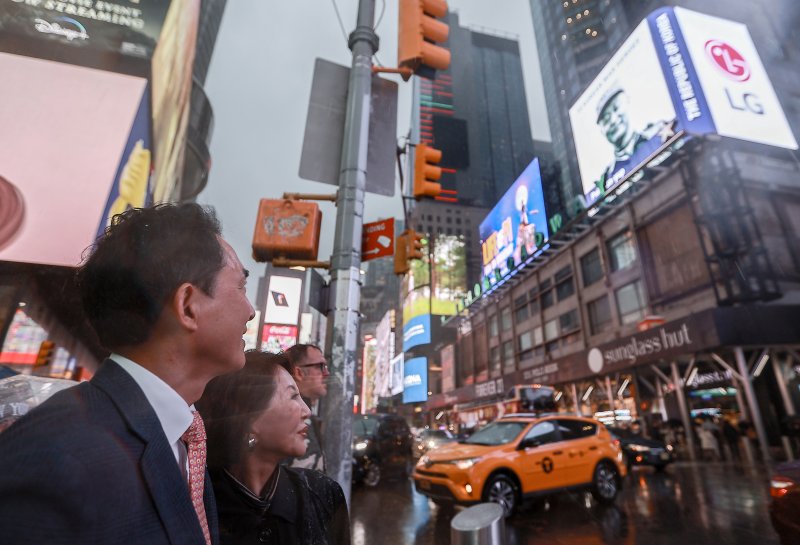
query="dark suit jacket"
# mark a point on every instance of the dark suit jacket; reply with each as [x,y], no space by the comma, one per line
[92,466]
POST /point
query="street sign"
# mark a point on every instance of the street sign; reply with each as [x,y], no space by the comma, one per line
[321,156]
[377,239]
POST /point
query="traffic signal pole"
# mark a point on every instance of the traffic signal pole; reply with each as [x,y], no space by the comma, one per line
[343,318]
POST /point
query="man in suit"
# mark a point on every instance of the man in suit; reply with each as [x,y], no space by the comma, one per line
[120,459]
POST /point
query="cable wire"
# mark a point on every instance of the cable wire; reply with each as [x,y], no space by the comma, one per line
[339,17]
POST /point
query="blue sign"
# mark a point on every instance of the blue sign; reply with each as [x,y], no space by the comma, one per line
[417,331]
[415,380]
[516,228]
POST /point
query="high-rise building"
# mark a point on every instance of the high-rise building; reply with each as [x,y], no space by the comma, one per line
[575,39]
[197,160]
[476,113]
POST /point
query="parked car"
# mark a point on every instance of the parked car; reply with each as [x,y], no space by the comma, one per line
[430,439]
[641,451]
[785,507]
[382,444]
[523,456]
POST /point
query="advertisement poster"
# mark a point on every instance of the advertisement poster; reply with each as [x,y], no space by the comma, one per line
[384,352]
[60,159]
[448,368]
[22,343]
[283,300]
[369,394]
[623,116]
[277,338]
[415,380]
[397,364]
[416,332]
[516,228]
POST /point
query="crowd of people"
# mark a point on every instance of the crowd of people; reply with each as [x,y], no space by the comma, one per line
[180,437]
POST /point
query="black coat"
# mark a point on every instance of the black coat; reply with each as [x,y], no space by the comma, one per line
[307,508]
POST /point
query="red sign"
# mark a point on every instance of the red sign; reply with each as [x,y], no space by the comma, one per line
[728,59]
[277,338]
[377,239]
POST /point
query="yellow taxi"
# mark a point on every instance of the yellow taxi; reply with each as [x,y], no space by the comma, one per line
[521,456]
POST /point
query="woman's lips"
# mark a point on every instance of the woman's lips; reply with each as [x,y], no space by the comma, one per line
[303,432]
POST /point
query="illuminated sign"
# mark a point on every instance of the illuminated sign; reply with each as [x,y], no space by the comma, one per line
[679,72]
[283,300]
[278,338]
[415,380]
[417,331]
[397,365]
[516,228]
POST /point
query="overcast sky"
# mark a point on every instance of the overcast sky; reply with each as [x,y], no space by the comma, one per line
[259,85]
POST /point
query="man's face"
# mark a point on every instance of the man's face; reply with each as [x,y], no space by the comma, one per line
[312,374]
[614,122]
[223,316]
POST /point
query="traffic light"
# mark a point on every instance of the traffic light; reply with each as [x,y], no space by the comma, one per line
[426,172]
[45,353]
[418,31]
[407,246]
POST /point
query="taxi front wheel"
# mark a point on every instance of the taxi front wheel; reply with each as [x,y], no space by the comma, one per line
[605,484]
[503,491]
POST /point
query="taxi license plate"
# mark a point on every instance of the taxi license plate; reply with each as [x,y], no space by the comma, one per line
[664,456]
[423,484]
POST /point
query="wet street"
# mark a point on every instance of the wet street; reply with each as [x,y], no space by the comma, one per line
[689,504]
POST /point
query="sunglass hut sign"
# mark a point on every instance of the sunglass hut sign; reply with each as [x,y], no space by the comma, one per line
[662,340]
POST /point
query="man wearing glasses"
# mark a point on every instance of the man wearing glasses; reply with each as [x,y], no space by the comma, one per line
[310,372]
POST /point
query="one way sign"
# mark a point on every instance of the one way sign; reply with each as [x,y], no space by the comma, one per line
[377,239]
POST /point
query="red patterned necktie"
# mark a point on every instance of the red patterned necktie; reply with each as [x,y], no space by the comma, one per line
[195,439]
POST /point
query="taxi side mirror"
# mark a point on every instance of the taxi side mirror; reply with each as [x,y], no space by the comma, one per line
[529,443]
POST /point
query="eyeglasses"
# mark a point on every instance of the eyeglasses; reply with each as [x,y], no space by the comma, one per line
[323,367]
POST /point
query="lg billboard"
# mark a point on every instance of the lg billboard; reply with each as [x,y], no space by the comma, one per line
[679,73]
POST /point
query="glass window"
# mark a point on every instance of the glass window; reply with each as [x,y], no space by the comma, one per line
[520,309]
[542,433]
[599,315]
[547,299]
[494,355]
[622,251]
[630,302]
[505,319]
[565,289]
[591,267]
[493,325]
[525,341]
[576,429]
[566,272]
[568,321]
[497,433]
[508,351]
[537,335]
[551,330]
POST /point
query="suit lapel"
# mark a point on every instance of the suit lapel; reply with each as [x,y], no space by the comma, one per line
[162,476]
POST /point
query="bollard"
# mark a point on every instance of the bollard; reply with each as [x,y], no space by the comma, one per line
[482,524]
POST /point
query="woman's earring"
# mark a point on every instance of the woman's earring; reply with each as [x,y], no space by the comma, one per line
[251,442]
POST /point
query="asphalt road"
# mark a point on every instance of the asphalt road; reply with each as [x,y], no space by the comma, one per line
[690,504]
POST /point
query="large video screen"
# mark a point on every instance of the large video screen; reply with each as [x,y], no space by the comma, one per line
[415,380]
[516,228]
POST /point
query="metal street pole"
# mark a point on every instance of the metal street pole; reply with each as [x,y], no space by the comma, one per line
[342,338]
[752,400]
[684,408]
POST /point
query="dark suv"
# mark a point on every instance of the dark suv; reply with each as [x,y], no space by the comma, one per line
[382,443]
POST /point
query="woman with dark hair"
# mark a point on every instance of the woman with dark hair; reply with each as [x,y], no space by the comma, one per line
[254,419]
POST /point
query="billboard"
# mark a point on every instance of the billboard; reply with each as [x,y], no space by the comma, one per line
[679,72]
[448,368]
[415,380]
[283,300]
[416,332]
[59,161]
[369,396]
[384,352]
[277,338]
[516,228]
[397,364]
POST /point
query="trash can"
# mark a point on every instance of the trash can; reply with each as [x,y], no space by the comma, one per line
[482,524]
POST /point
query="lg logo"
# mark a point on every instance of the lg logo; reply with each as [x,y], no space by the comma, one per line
[728,59]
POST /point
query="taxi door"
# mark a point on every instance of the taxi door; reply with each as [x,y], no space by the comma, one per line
[580,450]
[541,455]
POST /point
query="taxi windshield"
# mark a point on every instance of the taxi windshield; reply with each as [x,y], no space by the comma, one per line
[497,433]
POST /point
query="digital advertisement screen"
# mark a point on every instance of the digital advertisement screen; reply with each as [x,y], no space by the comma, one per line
[417,332]
[278,338]
[415,380]
[60,158]
[283,300]
[516,228]
[397,374]
[384,352]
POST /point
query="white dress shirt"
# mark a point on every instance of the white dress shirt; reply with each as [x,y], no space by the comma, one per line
[170,408]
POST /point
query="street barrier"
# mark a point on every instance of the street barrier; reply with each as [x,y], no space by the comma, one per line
[482,524]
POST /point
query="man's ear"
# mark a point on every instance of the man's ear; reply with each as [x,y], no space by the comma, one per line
[297,373]
[185,304]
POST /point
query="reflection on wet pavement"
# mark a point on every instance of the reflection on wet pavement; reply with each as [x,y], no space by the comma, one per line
[689,504]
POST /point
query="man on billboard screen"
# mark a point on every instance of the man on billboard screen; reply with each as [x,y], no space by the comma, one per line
[631,146]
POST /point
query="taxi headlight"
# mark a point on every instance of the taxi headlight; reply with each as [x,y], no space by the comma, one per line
[669,448]
[361,445]
[639,448]
[465,463]
[425,460]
